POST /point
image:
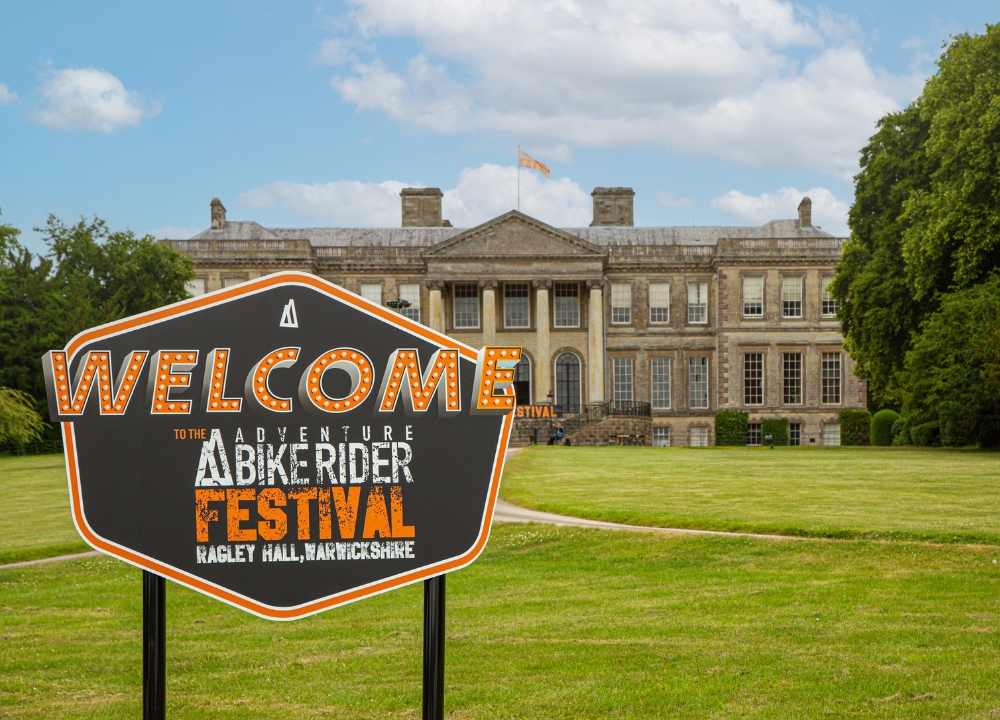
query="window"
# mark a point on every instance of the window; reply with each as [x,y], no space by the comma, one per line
[621,304]
[231,281]
[753,297]
[522,381]
[568,382]
[195,287]
[659,370]
[622,380]
[791,297]
[831,381]
[753,434]
[829,302]
[515,306]
[697,303]
[372,292]
[410,293]
[698,382]
[466,305]
[661,437]
[753,379]
[567,304]
[831,434]
[795,434]
[659,302]
[698,436]
[791,378]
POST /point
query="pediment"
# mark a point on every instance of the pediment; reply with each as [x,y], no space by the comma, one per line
[514,235]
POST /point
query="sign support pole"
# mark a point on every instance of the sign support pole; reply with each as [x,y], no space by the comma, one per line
[154,646]
[434,648]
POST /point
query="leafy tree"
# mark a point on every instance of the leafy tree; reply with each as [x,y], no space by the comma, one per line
[952,238]
[951,377]
[33,315]
[877,310]
[113,274]
[88,276]
[926,217]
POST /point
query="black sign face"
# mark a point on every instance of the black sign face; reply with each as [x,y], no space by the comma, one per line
[282,445]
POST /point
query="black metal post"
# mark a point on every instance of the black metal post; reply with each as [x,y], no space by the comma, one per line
[434,648]
[154,646]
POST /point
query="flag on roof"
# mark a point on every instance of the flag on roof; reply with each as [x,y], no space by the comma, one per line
[526,161]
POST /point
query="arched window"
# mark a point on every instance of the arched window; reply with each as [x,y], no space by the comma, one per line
[522,381]
[568,382]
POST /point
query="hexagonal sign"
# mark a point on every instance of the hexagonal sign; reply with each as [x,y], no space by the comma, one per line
[283,445]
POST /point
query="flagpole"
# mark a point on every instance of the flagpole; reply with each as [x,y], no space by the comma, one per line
[518,182]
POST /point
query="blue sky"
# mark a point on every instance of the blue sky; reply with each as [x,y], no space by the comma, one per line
[297,114]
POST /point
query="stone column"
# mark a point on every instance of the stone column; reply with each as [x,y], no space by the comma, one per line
[436,306]
[595,342]
[543,362]
[489,311]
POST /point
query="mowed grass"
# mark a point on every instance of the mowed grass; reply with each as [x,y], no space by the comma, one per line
[849,492]
[35,521]
[563,622]
[548,623]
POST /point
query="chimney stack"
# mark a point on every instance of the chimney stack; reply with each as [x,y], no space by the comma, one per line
[422,207]
[805,212]
[612,207]
[218,214]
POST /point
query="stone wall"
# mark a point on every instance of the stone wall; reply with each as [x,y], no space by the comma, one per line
[604,432]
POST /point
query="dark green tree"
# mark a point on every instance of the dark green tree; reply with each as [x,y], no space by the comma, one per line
[113,274]
[926,217]
[33,315]
[951,375]
[877,310]
[952,233]
[88,276]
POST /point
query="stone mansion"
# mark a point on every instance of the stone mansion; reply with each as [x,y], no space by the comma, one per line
[680,322]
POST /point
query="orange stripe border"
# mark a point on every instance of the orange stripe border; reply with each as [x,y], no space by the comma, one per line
[210,589]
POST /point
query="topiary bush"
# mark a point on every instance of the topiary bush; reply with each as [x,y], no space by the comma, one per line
[731,428]
[777,427]
[882,427]
[855,427]
[926,435]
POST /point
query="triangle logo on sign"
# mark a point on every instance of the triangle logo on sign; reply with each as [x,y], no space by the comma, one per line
[288,316]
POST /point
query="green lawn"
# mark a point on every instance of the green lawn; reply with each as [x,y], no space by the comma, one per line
[549,623]
[35,520]
[569,623]
[896,493]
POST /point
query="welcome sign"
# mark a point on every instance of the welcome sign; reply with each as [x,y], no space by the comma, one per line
[284,445]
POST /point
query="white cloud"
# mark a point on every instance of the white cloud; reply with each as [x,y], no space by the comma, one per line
[481,194]
[672,200]
[172,232]
[7,96]
[347,203]
[828,211]
[706,77]
[334,51]
[490,190]
[89,99]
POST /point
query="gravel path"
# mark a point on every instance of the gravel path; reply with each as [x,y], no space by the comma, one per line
[57,558]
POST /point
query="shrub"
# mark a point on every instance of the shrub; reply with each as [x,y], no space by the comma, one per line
[777,427]
[901,430]
[731,428]
[855,427]
[883,423]
[926,435]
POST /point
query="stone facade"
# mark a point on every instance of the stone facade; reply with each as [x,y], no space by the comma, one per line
[689,320]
